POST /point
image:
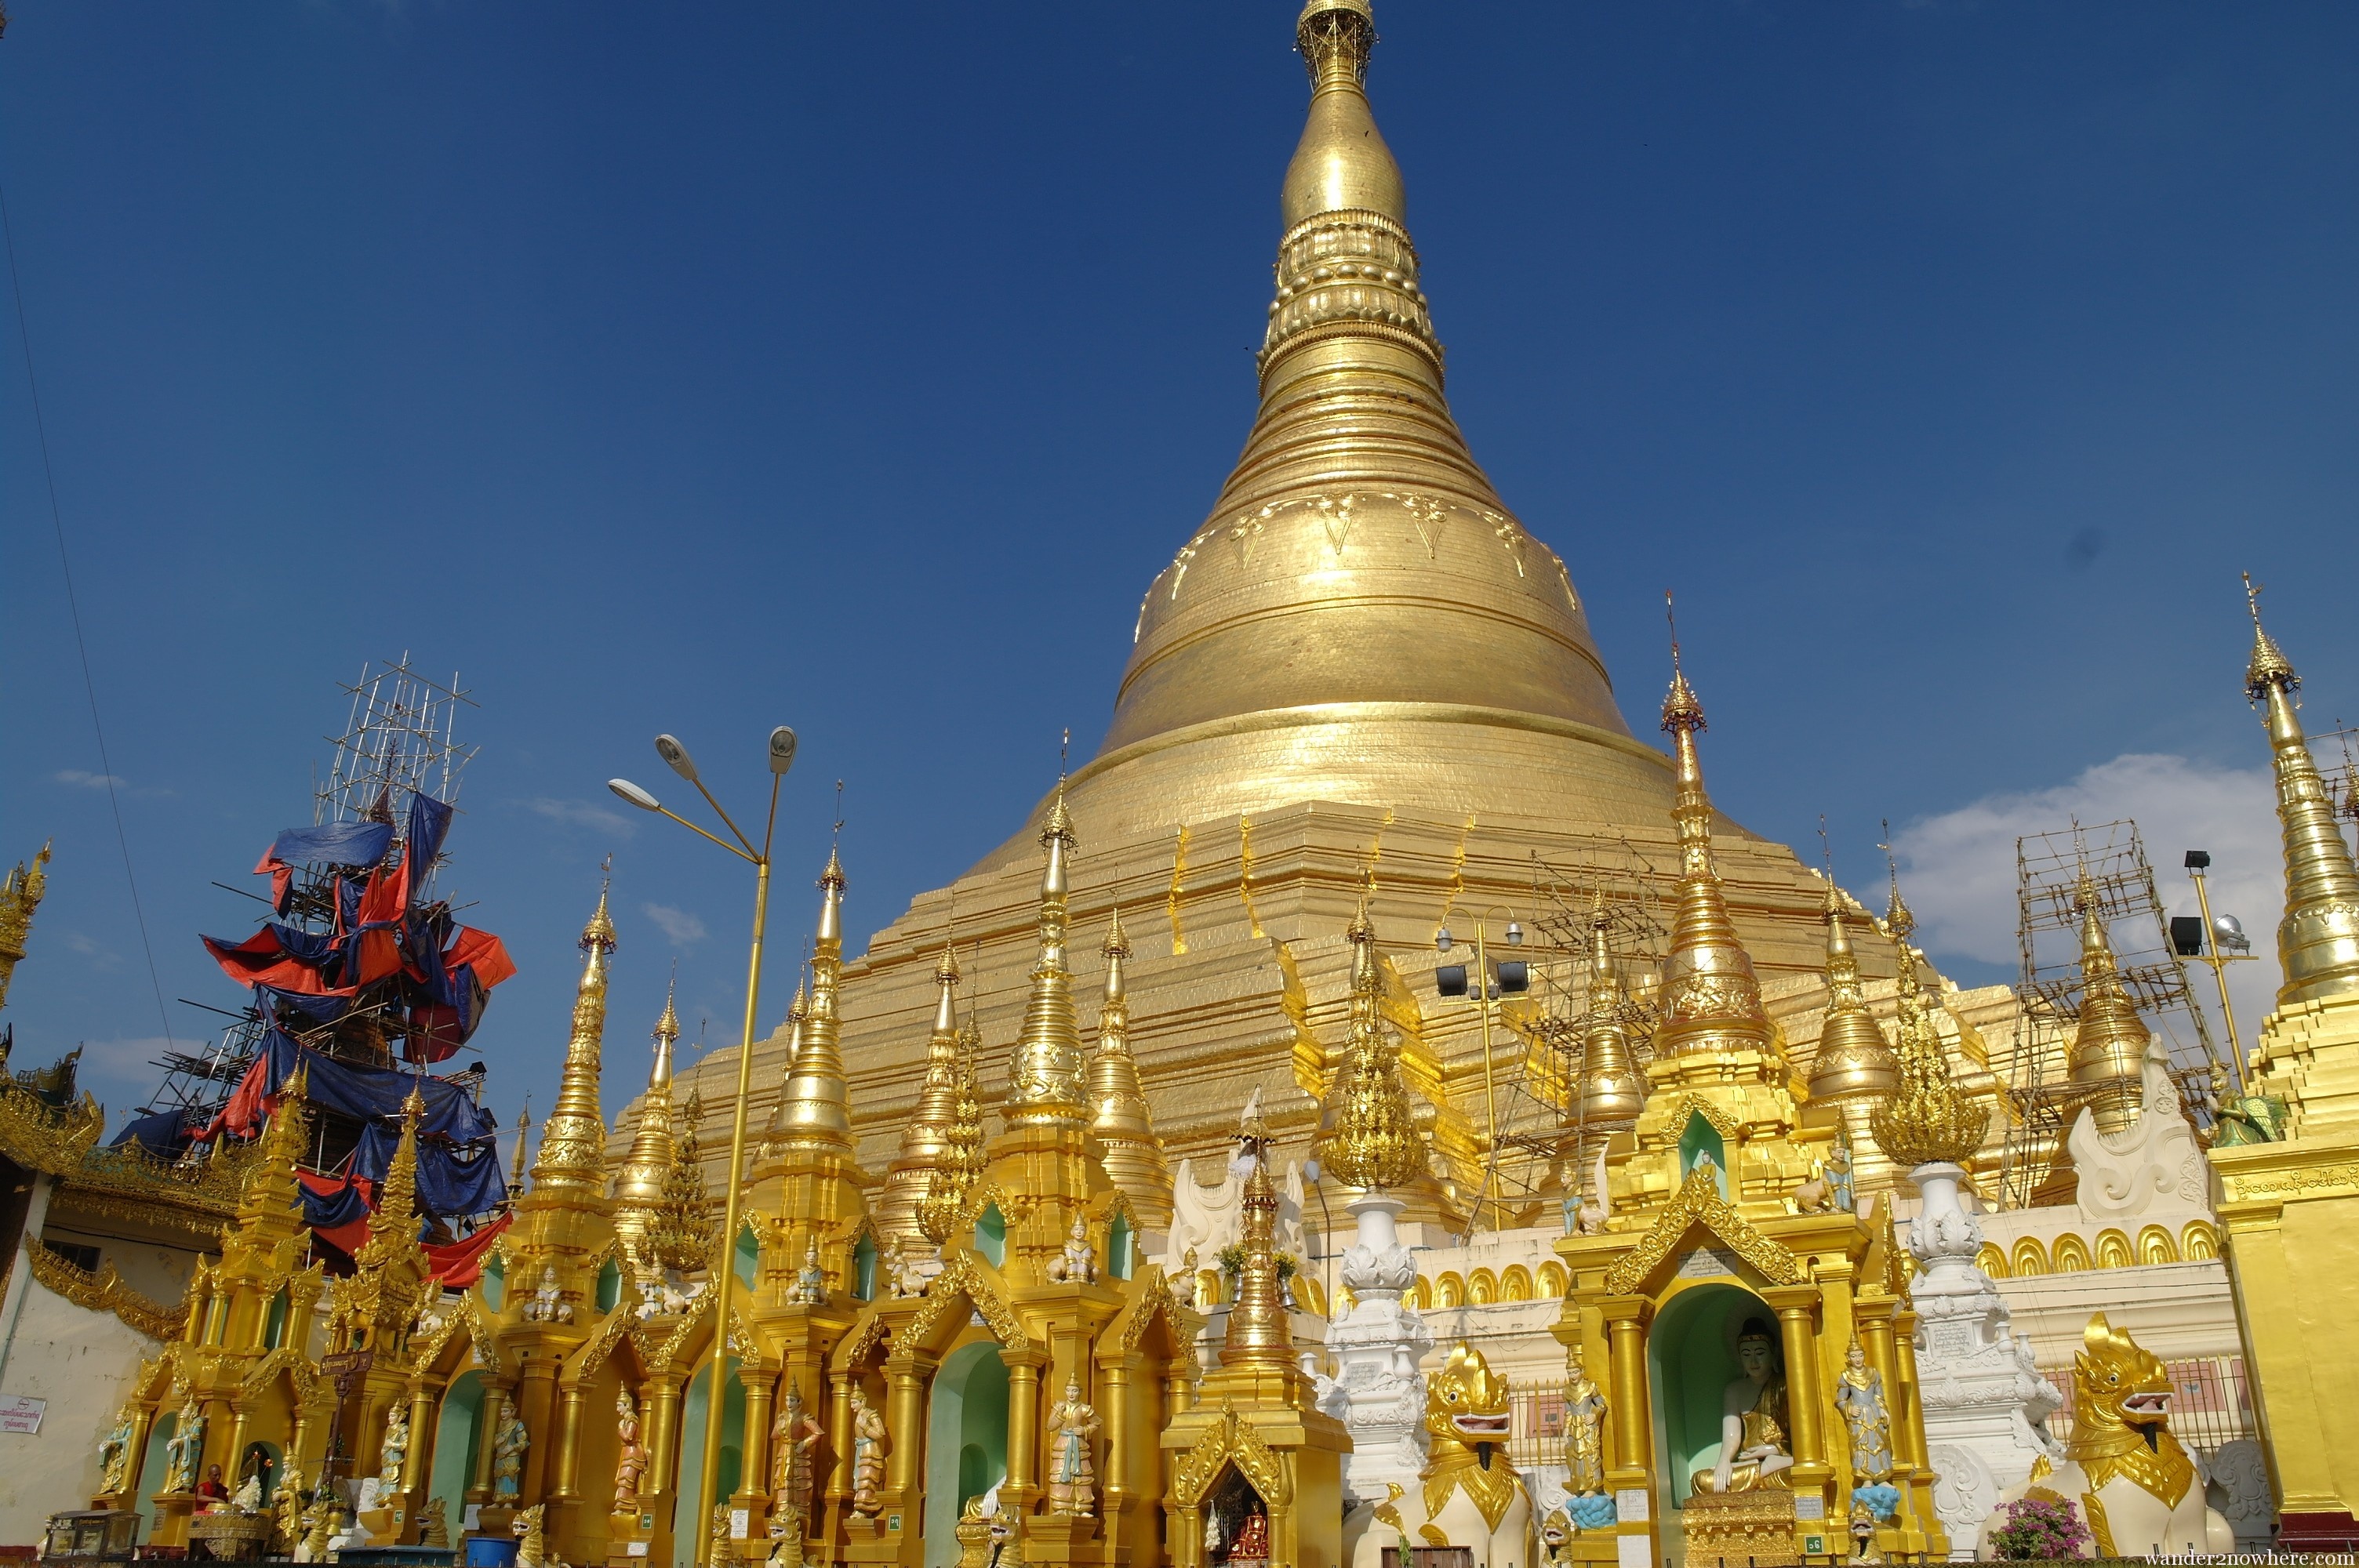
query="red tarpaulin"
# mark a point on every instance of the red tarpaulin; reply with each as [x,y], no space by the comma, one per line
[461,1264]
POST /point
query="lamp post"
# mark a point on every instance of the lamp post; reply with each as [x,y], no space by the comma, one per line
[782,757]
[2207,948]
[1514,977]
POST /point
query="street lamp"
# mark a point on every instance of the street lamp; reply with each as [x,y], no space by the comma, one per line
[2205,937]
[1508,977]
[782,757]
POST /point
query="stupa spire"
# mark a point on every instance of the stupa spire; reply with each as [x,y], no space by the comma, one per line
[1712,1000]
[1855,1067]
[2317,940]
[1259,1333]
[926,1138]
[1133,1155]
[640,1184]
[1357,555]
[393,1228]
[573,1139]
[1610,1093]
[814,1113]
[1045,1084]
[2109,1044]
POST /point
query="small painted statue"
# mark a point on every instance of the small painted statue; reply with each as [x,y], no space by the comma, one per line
[631,1455]
[115,1452]
[1584,1433]
[1252,1544]
[1077,1265]
[1074,1427]
[548,1303]
[868,1443]
[394,1451]
[186,1449]
[809,1288]
[434,1523]
[1859,1395]
[509,1441]
[1839,1178]
[794,1442]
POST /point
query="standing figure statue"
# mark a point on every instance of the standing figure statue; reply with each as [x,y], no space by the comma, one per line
[509,1441]
[631,1455]
[868,1442]
[187,1448]
[115,1452]
[794,1445]
[1753,1452]
[1074,1427]
[1859,1395]
[1584,1433]
[394,1452]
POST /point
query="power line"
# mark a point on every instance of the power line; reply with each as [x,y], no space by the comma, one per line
[74,609]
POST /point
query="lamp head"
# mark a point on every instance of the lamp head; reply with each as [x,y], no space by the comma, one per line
[634,794]
[2198,859]
[782,749]
[1441,940]
[2229,932]
[676,756]
[1515,933]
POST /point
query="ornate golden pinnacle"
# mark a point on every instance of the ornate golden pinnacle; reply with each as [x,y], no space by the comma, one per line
[1372,1142]
[1927,1121]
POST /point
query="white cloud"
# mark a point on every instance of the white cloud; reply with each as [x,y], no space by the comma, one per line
[582,814]
[1960,867]
[82,780]
[84,948]
[679,924]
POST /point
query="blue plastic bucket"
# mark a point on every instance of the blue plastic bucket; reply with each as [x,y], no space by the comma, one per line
[491,1551]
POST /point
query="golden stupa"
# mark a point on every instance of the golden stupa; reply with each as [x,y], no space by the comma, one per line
[1361,661]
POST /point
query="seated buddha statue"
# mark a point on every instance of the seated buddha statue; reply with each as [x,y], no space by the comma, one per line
[1753,1453]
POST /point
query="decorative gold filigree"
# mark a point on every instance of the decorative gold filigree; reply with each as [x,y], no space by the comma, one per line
[1699,1204]
[1374,1143]
[1154,1300]
[962,1280]
[1230,1440]
[105,1291]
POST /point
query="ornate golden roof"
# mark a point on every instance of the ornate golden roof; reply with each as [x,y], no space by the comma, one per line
[1360,618]
[21,894]
[1133,1155]
[2317,940]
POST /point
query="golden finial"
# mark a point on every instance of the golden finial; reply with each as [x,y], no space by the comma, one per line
[2317,940]
[1133,1155]
[1682,711]
[1372,1140]
[523,1144]
[599,931]
[925,1138]
[1927,1121]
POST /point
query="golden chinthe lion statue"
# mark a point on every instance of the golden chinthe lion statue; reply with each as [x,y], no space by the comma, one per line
[1469,1494]
[2133,1487]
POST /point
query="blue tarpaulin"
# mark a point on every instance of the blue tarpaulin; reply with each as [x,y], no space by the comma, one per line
[373,1093]
[451,1180]
[333,844]
[163,1133]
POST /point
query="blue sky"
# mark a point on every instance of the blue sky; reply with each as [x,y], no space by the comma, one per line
[856,368]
